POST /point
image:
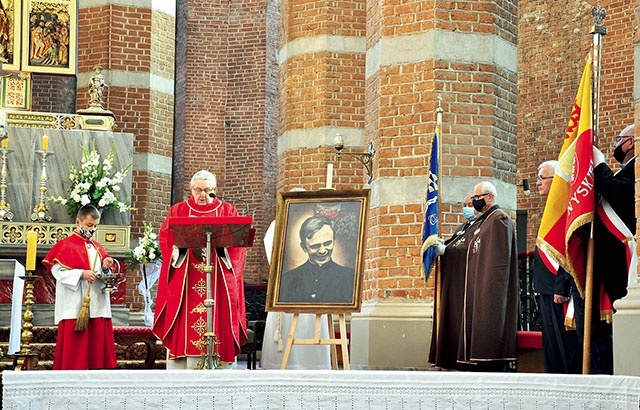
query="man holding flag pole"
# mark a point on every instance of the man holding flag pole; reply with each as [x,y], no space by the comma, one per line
[567,227]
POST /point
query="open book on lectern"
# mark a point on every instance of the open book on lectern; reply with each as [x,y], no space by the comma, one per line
[225,231]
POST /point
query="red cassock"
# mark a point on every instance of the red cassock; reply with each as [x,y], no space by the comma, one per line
[93,348]
[180,314]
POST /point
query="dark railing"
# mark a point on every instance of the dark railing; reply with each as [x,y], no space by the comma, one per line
[529,309]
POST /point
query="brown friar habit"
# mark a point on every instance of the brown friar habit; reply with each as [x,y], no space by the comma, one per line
[479,296]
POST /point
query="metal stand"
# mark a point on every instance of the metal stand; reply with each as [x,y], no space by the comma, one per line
[210,359]
[26,359]
[41,212]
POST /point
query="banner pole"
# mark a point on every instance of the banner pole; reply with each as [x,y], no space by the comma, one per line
[438,290]
[598,30]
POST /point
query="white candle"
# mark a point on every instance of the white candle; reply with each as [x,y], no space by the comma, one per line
[329,175]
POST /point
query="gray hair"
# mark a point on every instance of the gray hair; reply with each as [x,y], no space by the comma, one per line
[488,188]
[552,163]
[205,175]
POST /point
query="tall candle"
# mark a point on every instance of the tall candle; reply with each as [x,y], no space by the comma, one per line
[45,142]
[5,143]
[329,175]
[32,241]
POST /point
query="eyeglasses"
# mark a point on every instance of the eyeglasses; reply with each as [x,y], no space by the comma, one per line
[476,197]
[198,191]
[622,137]
[541,178]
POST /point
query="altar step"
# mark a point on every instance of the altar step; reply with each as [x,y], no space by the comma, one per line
[136,348]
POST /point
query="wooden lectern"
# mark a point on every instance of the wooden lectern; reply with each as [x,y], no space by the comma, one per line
[211,233]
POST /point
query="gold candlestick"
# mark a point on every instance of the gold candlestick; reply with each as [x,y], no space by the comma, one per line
[5,208]
[41,212]
[26,359]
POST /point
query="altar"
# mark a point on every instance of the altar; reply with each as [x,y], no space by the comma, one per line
[305,389]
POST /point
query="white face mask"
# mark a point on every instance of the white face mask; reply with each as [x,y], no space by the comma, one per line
[468,212]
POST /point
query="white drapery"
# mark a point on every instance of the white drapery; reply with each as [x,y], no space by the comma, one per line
[308,389]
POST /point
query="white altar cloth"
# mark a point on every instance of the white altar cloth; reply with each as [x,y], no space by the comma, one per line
[309,389]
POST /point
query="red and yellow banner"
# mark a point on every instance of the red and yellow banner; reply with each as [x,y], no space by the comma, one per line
[571,201]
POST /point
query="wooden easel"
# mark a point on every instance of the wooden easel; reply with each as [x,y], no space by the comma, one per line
[332,341]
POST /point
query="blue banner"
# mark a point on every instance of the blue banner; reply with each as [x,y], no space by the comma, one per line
[431,227]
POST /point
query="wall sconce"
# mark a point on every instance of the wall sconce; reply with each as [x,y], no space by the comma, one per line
[525,187]
[365,158]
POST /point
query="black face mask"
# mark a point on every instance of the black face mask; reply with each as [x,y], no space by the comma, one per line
[619,154]
[479,204]
[86,233]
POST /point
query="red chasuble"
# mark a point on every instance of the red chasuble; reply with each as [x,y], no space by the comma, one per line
[180,315]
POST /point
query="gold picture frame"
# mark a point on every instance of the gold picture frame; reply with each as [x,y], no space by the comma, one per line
[10,35]
[318,252]
[49,32]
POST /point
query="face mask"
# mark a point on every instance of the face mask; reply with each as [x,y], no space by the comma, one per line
[87,233]
[619,154]
[479,204]
[468,212]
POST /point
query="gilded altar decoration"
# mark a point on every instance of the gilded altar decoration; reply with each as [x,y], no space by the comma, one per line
[14,234]
[94,182]
[10,35]
[49,36]
[16,91]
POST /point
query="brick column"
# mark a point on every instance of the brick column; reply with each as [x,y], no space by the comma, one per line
[321,92]
[134,44]
[466,54]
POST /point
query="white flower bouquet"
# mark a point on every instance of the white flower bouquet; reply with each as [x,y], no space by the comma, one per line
[147,250]
[95,183]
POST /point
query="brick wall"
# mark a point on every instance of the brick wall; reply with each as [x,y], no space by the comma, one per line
[132,44]
[237,102]
[478,141]
[553,42]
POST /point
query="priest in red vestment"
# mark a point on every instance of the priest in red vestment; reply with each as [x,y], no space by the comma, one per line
[77,263]
[180,314]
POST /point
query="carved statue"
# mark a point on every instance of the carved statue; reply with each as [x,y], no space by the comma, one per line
[96,87]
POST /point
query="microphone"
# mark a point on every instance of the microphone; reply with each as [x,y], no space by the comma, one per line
[525,187]
[231,199]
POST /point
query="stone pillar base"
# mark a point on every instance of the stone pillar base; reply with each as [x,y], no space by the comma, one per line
[391,336]
[626,322]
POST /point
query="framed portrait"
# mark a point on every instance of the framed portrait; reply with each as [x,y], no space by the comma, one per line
[49,36]
[10,35]
[318,252]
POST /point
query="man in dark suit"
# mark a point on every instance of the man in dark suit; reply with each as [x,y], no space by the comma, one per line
[615,219]
[561,348]
[319,279]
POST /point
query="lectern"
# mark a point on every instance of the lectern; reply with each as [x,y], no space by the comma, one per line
[211,233]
